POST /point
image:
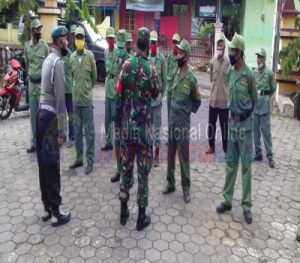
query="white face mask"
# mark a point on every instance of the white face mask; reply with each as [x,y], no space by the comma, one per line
[219,52]
[261,65]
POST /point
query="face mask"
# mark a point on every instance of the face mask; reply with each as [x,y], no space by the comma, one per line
[37,36]
[153,49]
[128,49]
[111,44]
[79,44]
[232,59]
[219,52]
[261,65]
[175,51]
[181,62]
[64,52]
[121,52]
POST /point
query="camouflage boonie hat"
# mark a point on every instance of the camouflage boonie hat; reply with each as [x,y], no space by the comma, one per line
[79,31]
[261,52]
[110,32]
[72,29]
[36,23]
[144,33]
[237,42]
[121,38]
[184,46]
[153,36]
[129,37]
[176,37]
[59,31]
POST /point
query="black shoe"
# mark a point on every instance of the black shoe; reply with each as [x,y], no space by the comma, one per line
[248,216]
[298,236]
[168,190]
[187,198]
[115,178]
[124,213]
[257,158]
[32,149]
[47,215]
[271,163]
[107,148]
[76,164]
[222,208]
[88,169]
[60,218]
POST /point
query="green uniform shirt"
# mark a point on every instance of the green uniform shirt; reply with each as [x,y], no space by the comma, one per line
[68,73]
[185,99]
[242,96]
[35,56]
[171,69]
[84,78]
[264,82]
[158,62]
[111,69]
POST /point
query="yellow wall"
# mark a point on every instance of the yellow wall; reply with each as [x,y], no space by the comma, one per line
[288,21]
[117,19]
[9,34]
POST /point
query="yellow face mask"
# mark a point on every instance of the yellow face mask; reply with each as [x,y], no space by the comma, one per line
[79,44]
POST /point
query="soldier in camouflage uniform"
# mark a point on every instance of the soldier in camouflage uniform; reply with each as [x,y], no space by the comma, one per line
[185,100]
[172,68]
[158,62]
[137,86]
[110,87]
[36,50]
[129,44]
[121,57]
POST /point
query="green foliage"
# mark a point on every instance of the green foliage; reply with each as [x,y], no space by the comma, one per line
[205,29]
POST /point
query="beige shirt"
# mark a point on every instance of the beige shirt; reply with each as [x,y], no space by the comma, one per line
[219,88]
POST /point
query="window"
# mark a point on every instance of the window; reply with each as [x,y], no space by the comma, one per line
[129,20]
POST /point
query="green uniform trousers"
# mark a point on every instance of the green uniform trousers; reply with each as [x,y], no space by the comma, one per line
[168,104]
[83,117]
[156,112]
[178,140]
[239,145]
[34,101]
[261,124]
[110,109]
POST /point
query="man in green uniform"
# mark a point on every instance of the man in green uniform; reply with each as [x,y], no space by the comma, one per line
[84,74]
[120,58]
[242,98]
[158,62]
[185,99]
[110,87]
[266,86]
[172,68]
[129,44]
[36,50]
[138,85]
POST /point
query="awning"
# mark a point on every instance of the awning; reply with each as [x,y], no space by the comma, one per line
[145,5]
[107,3]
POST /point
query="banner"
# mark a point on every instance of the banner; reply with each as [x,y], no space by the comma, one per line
[209,11]
[108,3]
[145,5]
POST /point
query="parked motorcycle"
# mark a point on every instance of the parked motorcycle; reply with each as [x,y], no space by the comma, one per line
[14,93]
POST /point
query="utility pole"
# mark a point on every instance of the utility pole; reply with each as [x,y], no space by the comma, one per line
[277,35]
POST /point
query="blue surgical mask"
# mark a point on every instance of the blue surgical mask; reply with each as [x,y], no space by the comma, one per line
[232,59]
[261,65]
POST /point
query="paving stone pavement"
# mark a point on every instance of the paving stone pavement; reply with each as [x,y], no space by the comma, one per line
[179,232]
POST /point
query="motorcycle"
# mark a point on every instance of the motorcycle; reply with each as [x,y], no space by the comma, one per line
[14,93]
[296,100]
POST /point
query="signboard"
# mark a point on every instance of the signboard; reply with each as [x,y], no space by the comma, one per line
[108,3]
[209,11]
[145,5]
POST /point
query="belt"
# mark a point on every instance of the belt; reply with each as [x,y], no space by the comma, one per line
[48,108]
[111,76]
[241,117]
[35,81]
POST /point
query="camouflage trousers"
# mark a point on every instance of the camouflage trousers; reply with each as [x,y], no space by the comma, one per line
[144,156]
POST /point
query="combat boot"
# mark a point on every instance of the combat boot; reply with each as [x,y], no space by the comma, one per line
[156,157]
[59,217]
[47,214]
[124,214]
[143,219]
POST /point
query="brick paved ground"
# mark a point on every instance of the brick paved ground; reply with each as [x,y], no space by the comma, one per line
[179,232]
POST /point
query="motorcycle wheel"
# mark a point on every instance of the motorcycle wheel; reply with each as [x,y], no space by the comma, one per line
[5,109]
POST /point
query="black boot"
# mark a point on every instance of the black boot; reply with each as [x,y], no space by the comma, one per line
[143,219]
[47,214]
[156,157]
[115,178]
[124,213]
[59,218]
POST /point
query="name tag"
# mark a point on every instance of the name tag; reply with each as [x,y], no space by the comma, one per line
[244,83]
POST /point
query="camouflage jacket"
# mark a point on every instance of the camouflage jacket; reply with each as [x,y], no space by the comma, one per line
[140,85]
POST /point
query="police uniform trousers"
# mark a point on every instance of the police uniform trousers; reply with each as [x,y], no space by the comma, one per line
[83,118]
[48,158]
[34,100]
[156,112]
[144,157]
[110,109]
[262,125]
[178,140]
[239,146]
[69,107]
